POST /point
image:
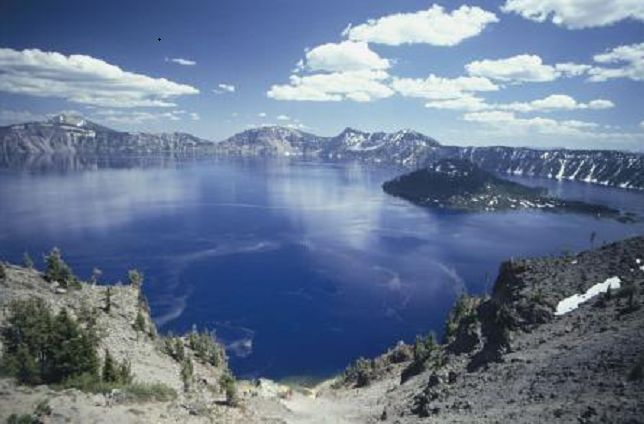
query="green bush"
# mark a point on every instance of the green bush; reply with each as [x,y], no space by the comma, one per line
[187,374]
[359,373]
[206,348]
[139,323]
[39,347]
[464,311]
[135,278]
[229,386]
[22,419]
[58,270]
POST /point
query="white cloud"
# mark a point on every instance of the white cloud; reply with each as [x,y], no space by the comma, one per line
[359,86]
[8,117]
[138,117]
[283,118]
[576,14]
[344,56]
[432,26]
[523,68]
[224,88]
[553,102]
[465,103]
[181,61]
[83,79]
[439,88]
[631,57]
[508,122]
[572,69]
[262,114]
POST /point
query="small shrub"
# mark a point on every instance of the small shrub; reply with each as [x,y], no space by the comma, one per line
[359,373]
[58,270]
[108,300]
[187,374]
[463,312]
[135,278]
[229,386]
[43,408]
[139,323]
[179,350]
[22,419]
[206,348]
[3,271]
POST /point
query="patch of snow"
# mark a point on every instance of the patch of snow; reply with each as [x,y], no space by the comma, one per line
[571,303]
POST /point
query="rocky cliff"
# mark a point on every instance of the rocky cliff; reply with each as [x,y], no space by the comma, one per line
[406,148]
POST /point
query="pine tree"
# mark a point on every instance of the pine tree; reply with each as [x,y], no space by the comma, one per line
[57,269]
[3,271]
[179,351]
[229,386]
[108,300]
[139,323]
[110,374]
[187,374]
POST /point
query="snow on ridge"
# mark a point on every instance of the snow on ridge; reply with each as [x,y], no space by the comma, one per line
[572,302]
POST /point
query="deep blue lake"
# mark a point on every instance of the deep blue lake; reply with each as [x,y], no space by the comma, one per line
[299,267]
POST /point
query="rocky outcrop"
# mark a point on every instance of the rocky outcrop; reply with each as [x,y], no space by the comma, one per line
[527,364]
[459,184]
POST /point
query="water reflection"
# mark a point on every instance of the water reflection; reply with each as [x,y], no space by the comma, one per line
[299,266]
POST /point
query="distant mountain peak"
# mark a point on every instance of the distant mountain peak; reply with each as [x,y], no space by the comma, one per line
[68,119]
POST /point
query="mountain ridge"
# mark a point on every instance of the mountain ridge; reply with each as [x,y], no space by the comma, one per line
[406,148]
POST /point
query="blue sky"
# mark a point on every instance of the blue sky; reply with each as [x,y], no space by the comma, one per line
[565,73]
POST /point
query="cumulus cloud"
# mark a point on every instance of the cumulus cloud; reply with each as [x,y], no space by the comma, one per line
[83,79]
[359,86]
[631,59]
[553,102]
[523,68]
[224,88]
[262,114]
[344,56]
[181,61]
[434,87]
[577,14]
[283,118]
[509,122]
[556,102]
[433,26]
[465,103]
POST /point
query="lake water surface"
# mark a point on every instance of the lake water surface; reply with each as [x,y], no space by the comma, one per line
[299,267]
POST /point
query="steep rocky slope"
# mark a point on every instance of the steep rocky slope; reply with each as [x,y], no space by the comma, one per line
[513,357]
[150,363]
[407,148]
[516,356]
